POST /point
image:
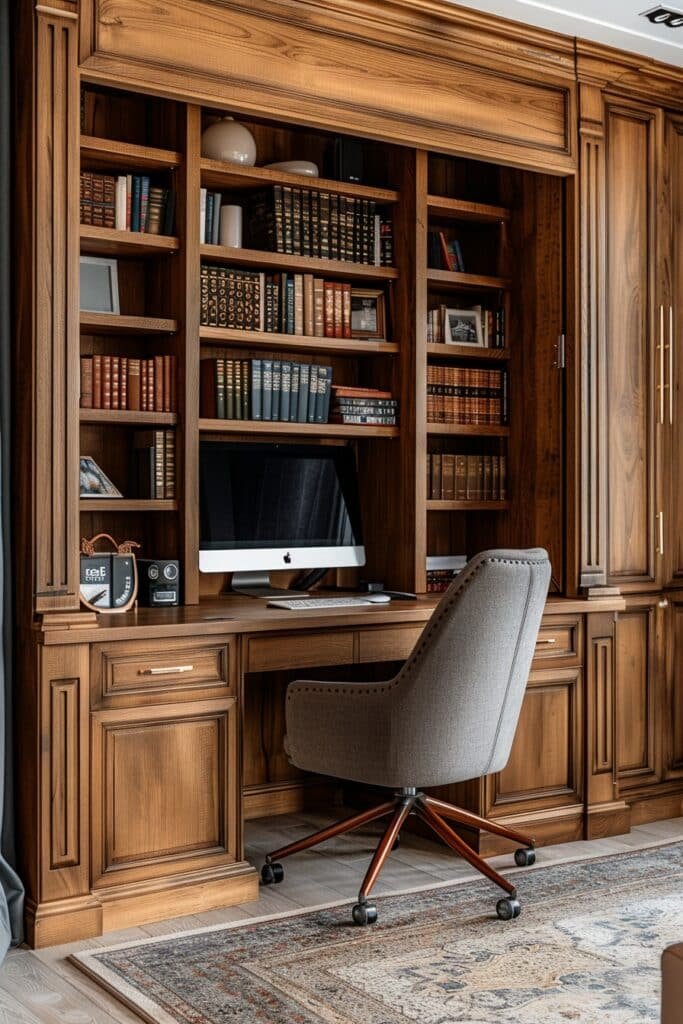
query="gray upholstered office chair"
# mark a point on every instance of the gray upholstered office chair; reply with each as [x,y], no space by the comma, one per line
[449,715]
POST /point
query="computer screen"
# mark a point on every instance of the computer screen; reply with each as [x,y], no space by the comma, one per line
[278,506]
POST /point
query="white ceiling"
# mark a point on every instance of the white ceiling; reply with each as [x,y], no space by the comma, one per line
[614,22]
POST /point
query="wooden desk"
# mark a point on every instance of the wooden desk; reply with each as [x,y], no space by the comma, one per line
[160,729]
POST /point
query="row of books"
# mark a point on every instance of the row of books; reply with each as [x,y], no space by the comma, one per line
[444,253]
[119,382]
[369,406]
[265,389]
[283,303]
[466,477]
[485,328]
[439,580]
[127,202]
[154,464]
[305,222]
[457,394]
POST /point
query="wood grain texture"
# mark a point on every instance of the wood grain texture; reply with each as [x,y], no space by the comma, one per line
[638,693]
[670,298]
[633,365]
[246,55]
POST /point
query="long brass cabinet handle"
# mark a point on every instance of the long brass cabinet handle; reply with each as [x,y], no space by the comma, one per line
[547,640]
[169,670]
[660,545]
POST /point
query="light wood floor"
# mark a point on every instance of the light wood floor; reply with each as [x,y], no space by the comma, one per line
[43,988]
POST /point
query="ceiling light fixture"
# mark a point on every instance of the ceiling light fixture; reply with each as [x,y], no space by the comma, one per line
[664,16]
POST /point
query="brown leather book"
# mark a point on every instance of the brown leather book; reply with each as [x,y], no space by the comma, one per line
[338,310]
[123,383]
[169,464]
[86,382]
[151,374]
[134,384]
[329,309]
[448,477]
[435,490]
[97,382]
[346,310]
[461,478]
[144,373]
[115,382]
[106,382]
[319,307]
[309,306]
[167,384]
[159,384]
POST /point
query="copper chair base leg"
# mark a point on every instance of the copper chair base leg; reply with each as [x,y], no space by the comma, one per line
[338,829]
[452,839]
[385,846]
[473,821]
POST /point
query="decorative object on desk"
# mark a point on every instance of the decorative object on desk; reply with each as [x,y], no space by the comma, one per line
[229,141]
[587,948]
[463,327]
[93,482]
[159,582]
[306,167]
[99,284]
[231,226]
[368,319]
[109,582]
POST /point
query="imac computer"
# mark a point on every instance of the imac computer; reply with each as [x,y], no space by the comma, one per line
[277,506]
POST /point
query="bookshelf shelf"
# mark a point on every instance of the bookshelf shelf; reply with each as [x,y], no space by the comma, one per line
[222,336]
[461,209]
[128,417]
[436,505]
[114,323]
[449,280]
[468,429]
[110,242]
[444,351]
[302,429]
[218,175]
[128,505]
[306,264]
[109,154]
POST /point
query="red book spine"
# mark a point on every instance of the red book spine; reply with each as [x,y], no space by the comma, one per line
[167,384]
[143,385]
[115,382]
[123,384]
[158,392]
[106,382]
[97,382]
[329,309]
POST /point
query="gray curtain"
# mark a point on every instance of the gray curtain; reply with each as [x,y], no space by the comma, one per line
[11,891]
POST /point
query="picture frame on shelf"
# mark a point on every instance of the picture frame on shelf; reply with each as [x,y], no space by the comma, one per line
[93,482]
[463,327]
[99,280]
[368,314]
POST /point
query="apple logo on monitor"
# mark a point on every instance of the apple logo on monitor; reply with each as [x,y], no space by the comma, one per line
[287,558]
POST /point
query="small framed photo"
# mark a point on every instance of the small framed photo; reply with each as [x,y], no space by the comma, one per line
[93,482]
[368,314]
[463,327]
[99,285]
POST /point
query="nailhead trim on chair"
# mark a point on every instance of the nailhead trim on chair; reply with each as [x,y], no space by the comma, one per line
[458,586]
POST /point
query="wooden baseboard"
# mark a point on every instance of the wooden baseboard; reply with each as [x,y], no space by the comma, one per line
[547,827]
[287,797]
[610,819]
[656,808]
[85,917]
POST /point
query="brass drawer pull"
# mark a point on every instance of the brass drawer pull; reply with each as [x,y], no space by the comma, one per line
[170,670]
[546,640]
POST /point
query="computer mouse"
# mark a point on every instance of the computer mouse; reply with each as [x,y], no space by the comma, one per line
[378,598]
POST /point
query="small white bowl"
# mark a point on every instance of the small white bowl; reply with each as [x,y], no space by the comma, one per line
[306,167]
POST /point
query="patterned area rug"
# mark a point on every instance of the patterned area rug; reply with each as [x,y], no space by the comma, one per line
[585,949]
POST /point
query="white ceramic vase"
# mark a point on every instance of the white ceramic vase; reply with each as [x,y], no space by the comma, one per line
[229,141]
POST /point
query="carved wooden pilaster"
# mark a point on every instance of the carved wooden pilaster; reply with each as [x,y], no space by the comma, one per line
[54,241]
[593,503]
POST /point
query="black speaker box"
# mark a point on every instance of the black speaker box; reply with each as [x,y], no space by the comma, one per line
[345,160]
[158,582]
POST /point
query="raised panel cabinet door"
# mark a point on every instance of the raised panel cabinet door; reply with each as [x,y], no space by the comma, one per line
[634,365]
[670,326]
[638,687]
[545,766]
[164,790]
[672,713]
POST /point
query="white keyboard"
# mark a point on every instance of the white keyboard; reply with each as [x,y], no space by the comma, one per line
[305,604]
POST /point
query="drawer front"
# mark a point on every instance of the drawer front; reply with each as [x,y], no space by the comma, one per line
[305,650]
[559,638]
[395,643]
[138,672]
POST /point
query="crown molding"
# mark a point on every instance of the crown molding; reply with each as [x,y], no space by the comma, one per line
[642,77]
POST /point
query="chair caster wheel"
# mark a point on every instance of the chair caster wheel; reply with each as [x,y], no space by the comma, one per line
[397,843]
[272,874]
[525,858]
[508,908]
[364,913]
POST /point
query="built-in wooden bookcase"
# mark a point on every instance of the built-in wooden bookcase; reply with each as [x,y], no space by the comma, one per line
[509,226]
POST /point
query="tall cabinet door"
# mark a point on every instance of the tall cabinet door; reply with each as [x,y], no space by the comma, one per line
[634,362]
[670,312]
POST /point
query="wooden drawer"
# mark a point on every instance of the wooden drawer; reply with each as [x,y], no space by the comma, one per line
[559,638]
[303,650]
[394,643]
[137,672]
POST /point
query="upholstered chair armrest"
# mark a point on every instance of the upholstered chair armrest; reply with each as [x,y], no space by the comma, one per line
[339,729]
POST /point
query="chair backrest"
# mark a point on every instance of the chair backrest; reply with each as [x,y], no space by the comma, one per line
[456,701]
